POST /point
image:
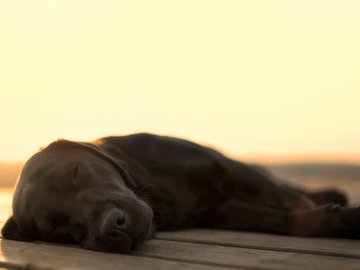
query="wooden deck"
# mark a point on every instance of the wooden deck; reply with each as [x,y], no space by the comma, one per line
[190,249]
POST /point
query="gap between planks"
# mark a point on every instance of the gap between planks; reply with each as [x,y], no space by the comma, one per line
[346,248]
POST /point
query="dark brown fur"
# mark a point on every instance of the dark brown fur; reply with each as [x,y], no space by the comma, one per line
[114,194]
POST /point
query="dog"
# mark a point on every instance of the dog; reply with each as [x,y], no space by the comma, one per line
[113,194]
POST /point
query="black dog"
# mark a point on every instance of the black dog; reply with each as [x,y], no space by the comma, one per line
[113,194]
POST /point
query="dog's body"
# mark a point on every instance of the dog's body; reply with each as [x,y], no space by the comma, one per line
[113,194]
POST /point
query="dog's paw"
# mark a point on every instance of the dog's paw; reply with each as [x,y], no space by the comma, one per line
[349,222]
[329,220]
[323,197]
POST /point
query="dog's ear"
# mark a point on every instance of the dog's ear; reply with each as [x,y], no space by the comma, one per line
[119,166]
[11,231]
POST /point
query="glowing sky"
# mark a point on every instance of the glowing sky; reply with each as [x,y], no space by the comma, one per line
[250,77]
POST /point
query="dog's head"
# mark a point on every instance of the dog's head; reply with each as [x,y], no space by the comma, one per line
[75,192]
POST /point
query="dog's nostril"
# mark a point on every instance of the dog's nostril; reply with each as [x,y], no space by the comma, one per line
[120,221]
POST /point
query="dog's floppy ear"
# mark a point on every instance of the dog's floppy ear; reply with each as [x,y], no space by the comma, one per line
[119,166]
[11,231]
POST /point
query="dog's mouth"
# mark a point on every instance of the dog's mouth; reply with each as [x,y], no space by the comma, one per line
[119,242]
[117,233]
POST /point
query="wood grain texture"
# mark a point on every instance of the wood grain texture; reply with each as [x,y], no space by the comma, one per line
[24,255]
[348,248]
[236,257]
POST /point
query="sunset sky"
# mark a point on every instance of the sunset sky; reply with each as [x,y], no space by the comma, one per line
[253,78]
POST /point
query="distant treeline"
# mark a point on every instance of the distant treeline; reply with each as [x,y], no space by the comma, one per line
[10,172]
[316,170]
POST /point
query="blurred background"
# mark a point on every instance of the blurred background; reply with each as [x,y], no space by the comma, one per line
[269,82]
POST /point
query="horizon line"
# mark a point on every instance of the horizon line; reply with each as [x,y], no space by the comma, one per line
[271,159]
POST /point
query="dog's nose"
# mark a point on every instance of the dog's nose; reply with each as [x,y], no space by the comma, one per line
[117,220]
[114,229]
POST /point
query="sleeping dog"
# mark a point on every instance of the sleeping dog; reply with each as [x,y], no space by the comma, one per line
[114,194]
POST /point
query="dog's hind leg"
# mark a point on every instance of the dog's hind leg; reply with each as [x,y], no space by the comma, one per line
[319,197]
[323,196]
[254,185]
[238,215]
[328,220]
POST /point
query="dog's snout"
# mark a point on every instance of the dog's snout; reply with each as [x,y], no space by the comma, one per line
[114,223]
[114,231]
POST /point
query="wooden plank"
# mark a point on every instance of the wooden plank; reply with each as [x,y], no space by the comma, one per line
[25,255]
[234,257]
[193,249]
[348,248]
[161,254]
